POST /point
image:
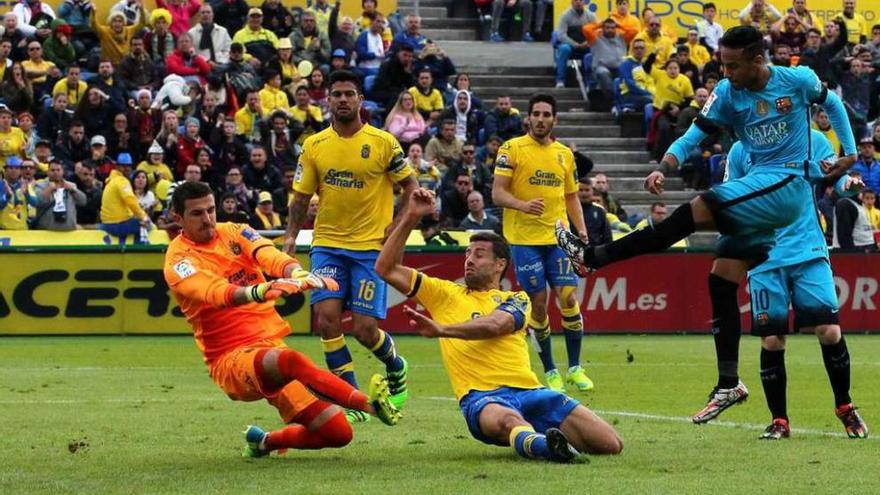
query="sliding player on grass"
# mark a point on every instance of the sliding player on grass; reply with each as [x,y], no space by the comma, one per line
[481,330]
[215,272]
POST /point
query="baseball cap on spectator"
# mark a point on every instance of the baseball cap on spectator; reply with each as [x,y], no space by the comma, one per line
[285,44]
[98,141]
[13,161]
[5,109]
[255,11]
[866,140]
[43,142]
[124,159]
[339,52]
[264,197]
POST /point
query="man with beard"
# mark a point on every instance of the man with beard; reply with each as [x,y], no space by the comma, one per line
[352,166]
[136,69]
[481,334]
[536,183]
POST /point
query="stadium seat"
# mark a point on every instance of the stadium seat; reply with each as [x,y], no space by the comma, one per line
[369,81]
[716,170]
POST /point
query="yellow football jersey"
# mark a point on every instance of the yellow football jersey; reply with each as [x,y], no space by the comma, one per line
[478,364]
[536,171]
[354,178]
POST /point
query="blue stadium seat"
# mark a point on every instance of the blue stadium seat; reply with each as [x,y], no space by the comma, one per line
[716,174]
[369,81]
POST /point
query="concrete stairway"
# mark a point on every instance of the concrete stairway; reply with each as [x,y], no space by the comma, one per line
[520,70]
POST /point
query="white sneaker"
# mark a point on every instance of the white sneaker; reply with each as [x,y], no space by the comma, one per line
[560,85]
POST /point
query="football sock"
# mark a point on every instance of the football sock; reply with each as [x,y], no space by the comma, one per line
[339,359]
[654,239]
[293,365]
[774,380]
[726,329]
[386,351]
[529,444]
[335,433]
[836,357]
[573,325]
[541,331]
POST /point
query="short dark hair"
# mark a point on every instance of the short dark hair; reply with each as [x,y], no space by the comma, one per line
[343,76]
[500,247]
[875,26]
[496,138]
[655,204]
[424,70]
[188,190]
[543,98]
[869,191]
[447,122]
[745,38]
[814,30]
[709,5]
[76,123]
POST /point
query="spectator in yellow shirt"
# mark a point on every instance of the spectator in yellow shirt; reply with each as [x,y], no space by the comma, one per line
[12,140]
[155,166]
[699,55]
[72,85]
[116,37]
[429,101]
[121,213]
[869,200]
[670,86]
[656,42]
[823,125]
[857,28]
[247,119]
[272,97]
[307,114]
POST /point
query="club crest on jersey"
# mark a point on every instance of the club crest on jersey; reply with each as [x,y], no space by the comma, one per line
[783,105]
[763,318]
[762,107]
[365,151]
[235,248]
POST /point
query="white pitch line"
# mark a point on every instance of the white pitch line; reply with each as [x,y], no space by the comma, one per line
[686,420]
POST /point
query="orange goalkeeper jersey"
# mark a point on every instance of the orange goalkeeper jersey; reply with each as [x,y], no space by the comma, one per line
[203,277]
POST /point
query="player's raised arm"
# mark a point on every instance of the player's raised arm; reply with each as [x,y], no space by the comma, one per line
[389,264]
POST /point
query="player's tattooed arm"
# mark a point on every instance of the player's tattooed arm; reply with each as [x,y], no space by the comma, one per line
[409,184]
[296,217]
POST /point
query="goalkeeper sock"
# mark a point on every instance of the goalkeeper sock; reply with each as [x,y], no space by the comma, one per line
[293,365]
[335,433]
[726,329]
[529,444]
[339,359]
[836,357]
[651,240]
[541,331]
[386,351]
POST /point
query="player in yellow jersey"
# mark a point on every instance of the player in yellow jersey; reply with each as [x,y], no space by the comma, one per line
[536,182]
[481,331]
[352,166]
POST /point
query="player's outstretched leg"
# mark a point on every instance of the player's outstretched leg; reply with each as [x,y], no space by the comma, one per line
[321,425]
[277,367]
[651,240]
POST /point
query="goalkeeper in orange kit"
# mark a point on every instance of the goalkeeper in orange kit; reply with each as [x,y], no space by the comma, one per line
[215,272]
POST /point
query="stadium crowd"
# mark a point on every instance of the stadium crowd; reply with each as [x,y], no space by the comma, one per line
[97,108]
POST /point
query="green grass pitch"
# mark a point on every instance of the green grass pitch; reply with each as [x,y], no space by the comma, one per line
[140,415]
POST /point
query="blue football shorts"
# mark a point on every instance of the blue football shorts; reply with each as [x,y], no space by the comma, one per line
[363,291]
[535,266]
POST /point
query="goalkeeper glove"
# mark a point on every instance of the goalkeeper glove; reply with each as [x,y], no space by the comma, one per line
[300,280]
